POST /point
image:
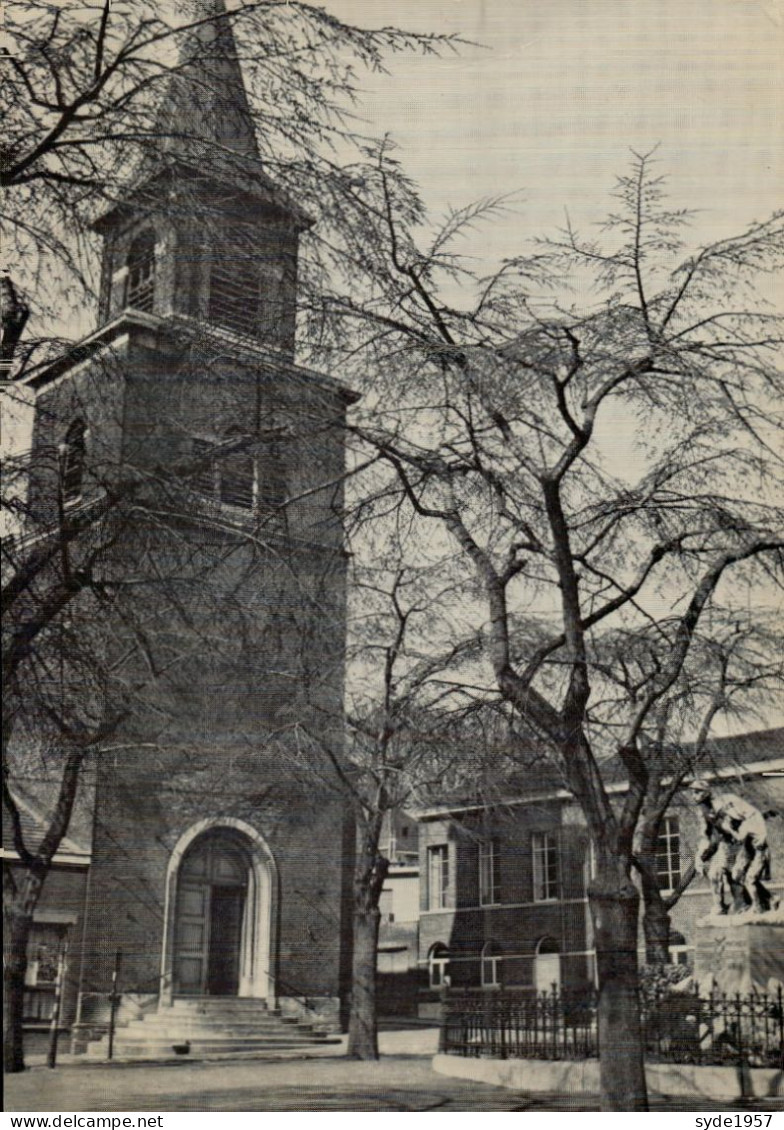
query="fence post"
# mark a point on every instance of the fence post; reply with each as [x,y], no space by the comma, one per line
[114,1000]
[743,1066]
[442,1040]
[54,1027]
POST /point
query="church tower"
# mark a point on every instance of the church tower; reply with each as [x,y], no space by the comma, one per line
[220,860]
[203,233]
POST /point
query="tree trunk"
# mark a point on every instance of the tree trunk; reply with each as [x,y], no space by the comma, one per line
[18,922]
[369,875]
[621,1059]
[656,926]
[363,1021]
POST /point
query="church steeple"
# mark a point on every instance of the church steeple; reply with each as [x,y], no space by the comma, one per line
[203,233]
[206,107]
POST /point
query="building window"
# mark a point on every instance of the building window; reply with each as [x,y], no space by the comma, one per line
[438,966]
[230,478]
[668,854]
[545,862]
[490,965]
[489,873]
[591,861]
[437,876]
[236,479]
[45,952]
[140,287]
[679,951]
[72,455]
[272,484]
[385,906]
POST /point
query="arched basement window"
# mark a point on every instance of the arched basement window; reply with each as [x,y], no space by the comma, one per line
[547,966]
[140,288]
[438,966]
[679,951]
[491,965]
[72,461]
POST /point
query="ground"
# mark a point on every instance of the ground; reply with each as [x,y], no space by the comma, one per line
[395,1083]
[398,1083]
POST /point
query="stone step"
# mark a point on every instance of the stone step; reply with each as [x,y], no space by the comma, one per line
[135,1038]
[231,1002]
[160,1022]
[221,1018]
[165,1049]
[211,1026]
[141,1032]
[154,1045]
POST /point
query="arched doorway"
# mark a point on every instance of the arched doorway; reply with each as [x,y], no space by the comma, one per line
[212,890]
[547,966]
[219,913]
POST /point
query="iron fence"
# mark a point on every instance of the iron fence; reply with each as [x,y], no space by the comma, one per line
[715,1029]
[678,1027]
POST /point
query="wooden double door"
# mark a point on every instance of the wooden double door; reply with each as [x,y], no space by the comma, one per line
[212,893]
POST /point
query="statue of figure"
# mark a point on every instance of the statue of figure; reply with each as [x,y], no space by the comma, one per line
[717,864]
[733,851]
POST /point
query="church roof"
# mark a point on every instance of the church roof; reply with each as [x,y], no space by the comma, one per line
[204,125]
[75,845]
[180,329]
[206,104]
[731,760]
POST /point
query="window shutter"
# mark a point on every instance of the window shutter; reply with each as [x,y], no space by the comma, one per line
[140,289]
[73,462]
[236,473]
[204,477]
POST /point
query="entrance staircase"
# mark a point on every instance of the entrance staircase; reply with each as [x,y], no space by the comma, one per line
[195,1027]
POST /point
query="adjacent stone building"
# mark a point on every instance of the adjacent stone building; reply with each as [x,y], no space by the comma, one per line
[398,973]
[504,899]
[58,920]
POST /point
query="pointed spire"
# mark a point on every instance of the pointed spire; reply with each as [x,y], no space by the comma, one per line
[206,107]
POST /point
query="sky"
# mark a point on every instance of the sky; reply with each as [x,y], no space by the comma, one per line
[556,92]
[548,98]
[553,94]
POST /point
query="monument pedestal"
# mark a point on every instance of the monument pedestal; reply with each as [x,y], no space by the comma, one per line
[739,953]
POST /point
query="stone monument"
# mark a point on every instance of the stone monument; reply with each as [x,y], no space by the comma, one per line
[740,944]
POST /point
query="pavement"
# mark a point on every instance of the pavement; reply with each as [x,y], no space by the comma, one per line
[399,1081]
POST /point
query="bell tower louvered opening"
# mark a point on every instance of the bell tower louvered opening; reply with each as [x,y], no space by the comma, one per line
[140,286]
[235,280]
[252,284]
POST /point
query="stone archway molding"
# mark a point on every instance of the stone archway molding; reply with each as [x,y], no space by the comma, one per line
[257,960]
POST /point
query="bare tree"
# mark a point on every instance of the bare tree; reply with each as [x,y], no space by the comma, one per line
[498,414]
[732,673]
[401,743]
